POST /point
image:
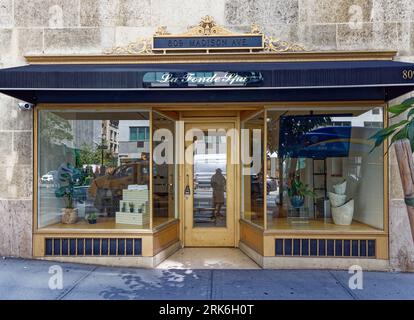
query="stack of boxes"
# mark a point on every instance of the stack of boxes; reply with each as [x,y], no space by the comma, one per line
[134,206]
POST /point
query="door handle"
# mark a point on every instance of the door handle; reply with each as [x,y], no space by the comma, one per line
[187,190]
[170,182]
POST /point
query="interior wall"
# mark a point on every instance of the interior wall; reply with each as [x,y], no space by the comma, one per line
[369,204]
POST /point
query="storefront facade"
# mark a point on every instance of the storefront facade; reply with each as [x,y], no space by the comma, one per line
[257,144]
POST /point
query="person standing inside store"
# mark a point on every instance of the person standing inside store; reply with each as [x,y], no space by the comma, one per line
[218,183]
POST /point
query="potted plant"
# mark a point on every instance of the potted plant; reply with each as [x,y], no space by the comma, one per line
[123,207]
[297,193]
[131,207]
[69,212]
[92,218]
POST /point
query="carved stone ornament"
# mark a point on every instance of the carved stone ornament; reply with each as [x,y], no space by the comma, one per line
[161,31]
[206,27]
[272,44]
[140,46]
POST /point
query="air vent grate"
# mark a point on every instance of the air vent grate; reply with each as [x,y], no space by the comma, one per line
[325,248]
[93,247]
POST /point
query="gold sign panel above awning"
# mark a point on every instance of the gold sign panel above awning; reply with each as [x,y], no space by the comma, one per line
[206,37]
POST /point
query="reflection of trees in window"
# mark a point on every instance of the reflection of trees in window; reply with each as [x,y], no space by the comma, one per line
[91,155]
[293,128]
[283,142]
[54,129]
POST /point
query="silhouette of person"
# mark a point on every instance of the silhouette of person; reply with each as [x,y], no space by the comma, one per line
[218,183]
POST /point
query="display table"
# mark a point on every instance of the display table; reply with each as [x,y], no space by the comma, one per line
[298,215]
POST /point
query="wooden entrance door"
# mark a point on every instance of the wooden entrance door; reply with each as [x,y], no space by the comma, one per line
[209,185]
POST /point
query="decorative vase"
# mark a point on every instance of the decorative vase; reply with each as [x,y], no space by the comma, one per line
[69,215]
[340,188]
[343,215]
[297,201]
[92,221]
[81,207]
[336,200]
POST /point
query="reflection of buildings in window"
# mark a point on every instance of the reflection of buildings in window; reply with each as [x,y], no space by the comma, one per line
[84,132]
[360,119]
[372,124]
[133,139]
[109,131]
[138,133]
[341,123]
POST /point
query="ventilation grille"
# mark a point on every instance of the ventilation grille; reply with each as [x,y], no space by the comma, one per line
[325,248]
[93,247]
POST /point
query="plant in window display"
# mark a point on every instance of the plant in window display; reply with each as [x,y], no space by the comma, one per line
[297,192]
[68,179]
[131,207]
[92,218]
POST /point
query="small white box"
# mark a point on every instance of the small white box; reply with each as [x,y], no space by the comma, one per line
[137,187]
[138,219]
[135,195]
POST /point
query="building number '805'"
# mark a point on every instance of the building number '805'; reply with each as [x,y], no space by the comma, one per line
[408,74]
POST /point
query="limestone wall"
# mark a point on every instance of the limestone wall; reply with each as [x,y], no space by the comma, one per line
[90,26]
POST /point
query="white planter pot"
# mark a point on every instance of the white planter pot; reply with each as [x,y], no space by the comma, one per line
[336,200]
[343,215]
[340,188]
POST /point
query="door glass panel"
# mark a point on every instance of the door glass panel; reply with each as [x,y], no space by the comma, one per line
[210,179]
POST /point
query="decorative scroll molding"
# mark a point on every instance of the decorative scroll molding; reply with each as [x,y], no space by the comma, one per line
[206,27]
[272,44]
[140,46]
[161,31]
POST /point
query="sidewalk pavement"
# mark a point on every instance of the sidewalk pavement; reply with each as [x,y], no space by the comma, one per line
[28,279]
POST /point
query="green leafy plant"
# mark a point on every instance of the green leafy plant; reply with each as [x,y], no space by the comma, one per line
[66,193]
[401,130]
[298,188]
[68,178]
[92,216]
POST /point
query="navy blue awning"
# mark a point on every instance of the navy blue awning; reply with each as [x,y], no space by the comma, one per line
[266,82]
